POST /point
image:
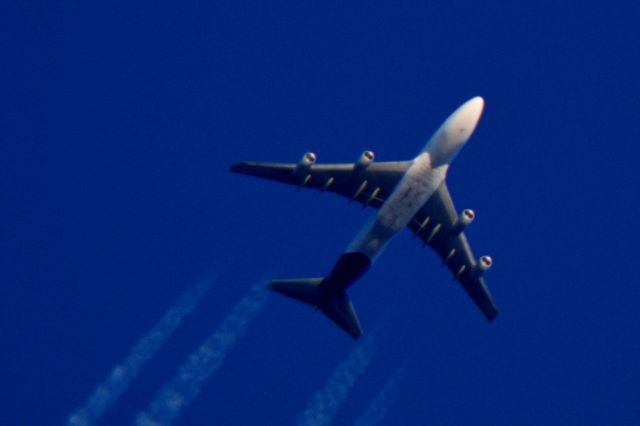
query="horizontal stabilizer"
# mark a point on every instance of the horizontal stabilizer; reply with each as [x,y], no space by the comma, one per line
[306,290]
[341,311]
[338,307]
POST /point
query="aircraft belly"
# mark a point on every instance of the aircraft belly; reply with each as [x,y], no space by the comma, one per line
[372,239]
[413,191]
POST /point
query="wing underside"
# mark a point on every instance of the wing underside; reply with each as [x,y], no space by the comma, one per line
[370,185]
[435,225]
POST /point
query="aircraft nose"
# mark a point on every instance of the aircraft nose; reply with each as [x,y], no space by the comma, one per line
[445,144]
[461,124]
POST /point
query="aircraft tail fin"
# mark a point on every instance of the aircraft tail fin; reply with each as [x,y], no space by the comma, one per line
[338,307]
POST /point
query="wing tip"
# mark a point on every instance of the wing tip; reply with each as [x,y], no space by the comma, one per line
[492,315]
[489,310]
[238,167]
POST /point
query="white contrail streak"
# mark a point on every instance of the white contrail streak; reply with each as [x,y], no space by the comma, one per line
[106,394]
[202,363]
[379,406]
[325,403]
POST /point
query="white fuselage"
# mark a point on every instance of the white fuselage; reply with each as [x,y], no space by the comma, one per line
[420,181]
[416,187]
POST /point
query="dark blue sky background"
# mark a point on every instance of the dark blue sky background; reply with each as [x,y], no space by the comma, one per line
[119,121]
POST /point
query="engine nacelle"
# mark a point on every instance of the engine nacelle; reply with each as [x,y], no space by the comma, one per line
[484,263]
[464,219]
[365,159]
[305,163]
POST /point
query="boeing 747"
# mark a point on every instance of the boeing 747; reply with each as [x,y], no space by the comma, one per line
[410,194]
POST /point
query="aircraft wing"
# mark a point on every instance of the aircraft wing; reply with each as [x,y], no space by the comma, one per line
[370,185]
[435,225]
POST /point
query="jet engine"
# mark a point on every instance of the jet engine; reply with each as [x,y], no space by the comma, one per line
[305,163]
[484,263]
[365,159]
[464,219]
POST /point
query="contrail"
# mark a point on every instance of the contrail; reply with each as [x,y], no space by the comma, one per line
[106,394]
[202,363]
[325,403]
[379,406]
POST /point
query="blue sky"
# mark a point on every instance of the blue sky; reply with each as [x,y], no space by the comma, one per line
[118,124]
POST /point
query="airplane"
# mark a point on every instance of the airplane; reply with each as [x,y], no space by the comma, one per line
[410,194]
